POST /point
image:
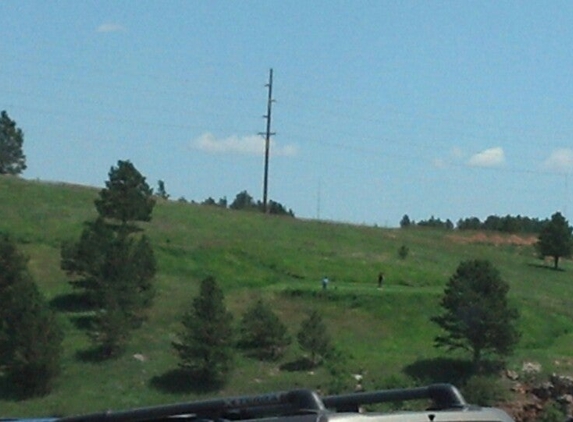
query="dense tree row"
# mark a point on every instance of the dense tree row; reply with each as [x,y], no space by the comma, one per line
[506,224]
[245,202]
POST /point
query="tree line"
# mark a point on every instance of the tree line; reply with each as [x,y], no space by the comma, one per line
[554,240]
[506,224]
[245,202]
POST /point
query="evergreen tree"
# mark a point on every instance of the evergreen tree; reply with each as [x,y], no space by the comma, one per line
[555,239]
[262,332]
[12,158]
[110,329]
[210,202]
[477,316]
[243,201]
[222,202]
[161,192]
[340,377]
[86,258]
[30,337]
[276,208]
[127,197]
[143,269]
[116,273]
[205,344]
[115,266]
[314,338]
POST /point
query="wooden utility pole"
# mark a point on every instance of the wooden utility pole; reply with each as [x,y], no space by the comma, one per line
[267,135]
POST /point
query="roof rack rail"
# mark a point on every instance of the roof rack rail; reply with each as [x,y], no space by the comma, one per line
[443,396]
[233,408]
[293,402]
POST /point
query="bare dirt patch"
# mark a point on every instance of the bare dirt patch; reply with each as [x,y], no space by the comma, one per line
[494,239]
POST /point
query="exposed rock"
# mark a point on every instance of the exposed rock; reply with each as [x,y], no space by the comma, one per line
[530,399]
[519,388]
[139,357]
[565,399]
[544,390]
[562,384]
[531,368]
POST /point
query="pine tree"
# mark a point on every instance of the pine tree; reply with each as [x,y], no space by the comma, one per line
[555,239]
[116,273]
[263,333]
[114,262]
[12,158]
[205,344]
[30,336]
[127,197]
[143,269]
[477,316]
[161,192]
[314,338]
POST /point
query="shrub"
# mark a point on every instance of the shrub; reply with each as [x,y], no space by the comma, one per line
[403,252]
[484,390]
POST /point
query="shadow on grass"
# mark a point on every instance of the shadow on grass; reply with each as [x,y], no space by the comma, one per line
[546,267]
[302,364]
[18,389]
[180,381]
[93,355]
[439,370]
[447,370]
[71,302]
[83,322]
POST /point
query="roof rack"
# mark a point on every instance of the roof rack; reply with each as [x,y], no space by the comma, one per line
[443,396]
[288,403]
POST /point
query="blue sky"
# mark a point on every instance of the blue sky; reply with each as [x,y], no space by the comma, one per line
[383,108]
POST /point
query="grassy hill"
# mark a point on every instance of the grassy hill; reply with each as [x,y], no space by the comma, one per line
[386,333]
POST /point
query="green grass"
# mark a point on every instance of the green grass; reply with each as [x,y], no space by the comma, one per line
[385,331]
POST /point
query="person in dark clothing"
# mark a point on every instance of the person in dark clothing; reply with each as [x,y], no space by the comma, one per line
[380,280]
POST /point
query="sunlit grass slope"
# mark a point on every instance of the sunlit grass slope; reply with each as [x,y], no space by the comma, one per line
[384,332]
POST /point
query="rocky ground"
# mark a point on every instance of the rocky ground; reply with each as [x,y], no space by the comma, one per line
[532,395]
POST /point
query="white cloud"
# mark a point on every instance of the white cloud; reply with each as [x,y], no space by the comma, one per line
[492,157]
[560,160]
[110,27]
[249,145]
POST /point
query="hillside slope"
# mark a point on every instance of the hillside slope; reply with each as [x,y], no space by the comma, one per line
[384,333]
